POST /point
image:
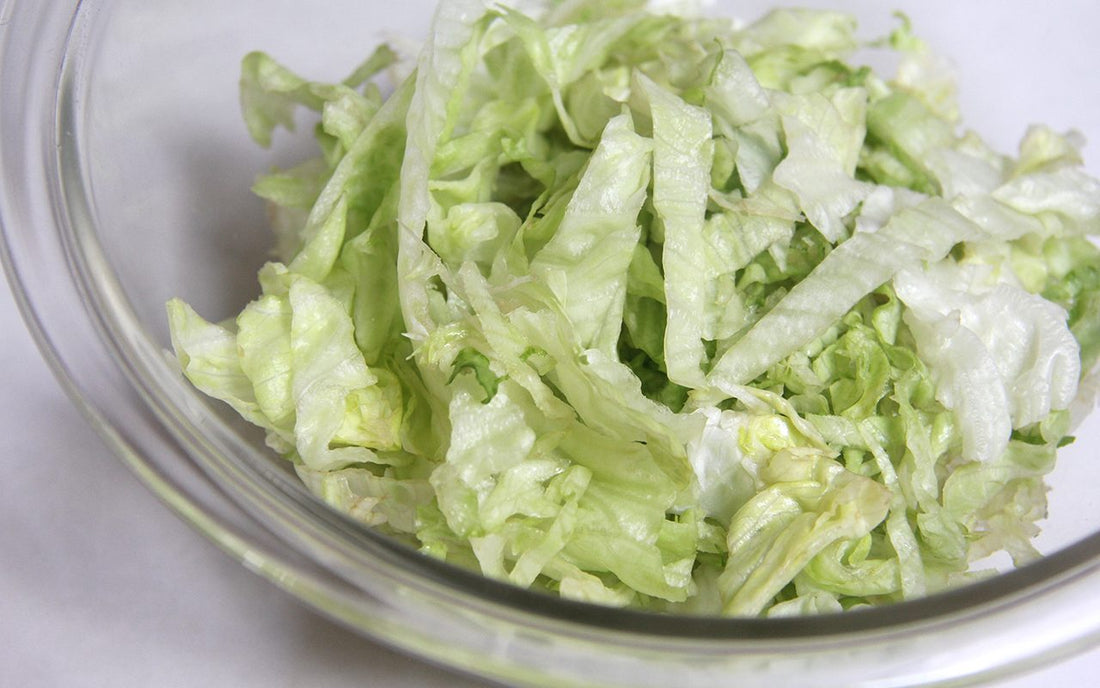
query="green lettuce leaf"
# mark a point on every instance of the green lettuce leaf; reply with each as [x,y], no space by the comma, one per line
[642,307]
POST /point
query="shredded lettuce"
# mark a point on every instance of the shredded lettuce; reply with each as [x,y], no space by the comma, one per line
[642,307]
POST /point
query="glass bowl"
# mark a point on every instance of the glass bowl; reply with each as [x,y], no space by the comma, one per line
[126,175]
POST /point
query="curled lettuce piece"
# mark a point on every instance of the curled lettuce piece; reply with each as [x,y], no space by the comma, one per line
[1002,358]
[807,503]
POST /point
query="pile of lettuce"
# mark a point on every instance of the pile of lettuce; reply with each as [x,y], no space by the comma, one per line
[666,311]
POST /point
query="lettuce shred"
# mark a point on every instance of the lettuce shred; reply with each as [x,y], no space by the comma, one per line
[664,310]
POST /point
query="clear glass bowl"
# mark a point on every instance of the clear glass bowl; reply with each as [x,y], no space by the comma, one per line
[125,182]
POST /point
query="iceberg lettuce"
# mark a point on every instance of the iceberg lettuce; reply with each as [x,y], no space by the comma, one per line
[643,307]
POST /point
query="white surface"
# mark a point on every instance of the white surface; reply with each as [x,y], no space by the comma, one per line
[101,585]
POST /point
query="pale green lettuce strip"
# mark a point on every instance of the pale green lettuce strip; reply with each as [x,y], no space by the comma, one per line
[561,55]
[586,261]
[442,70]
[823,136]
[208,357]
[271,93]
[925,232]
[306,370]
[681,180]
